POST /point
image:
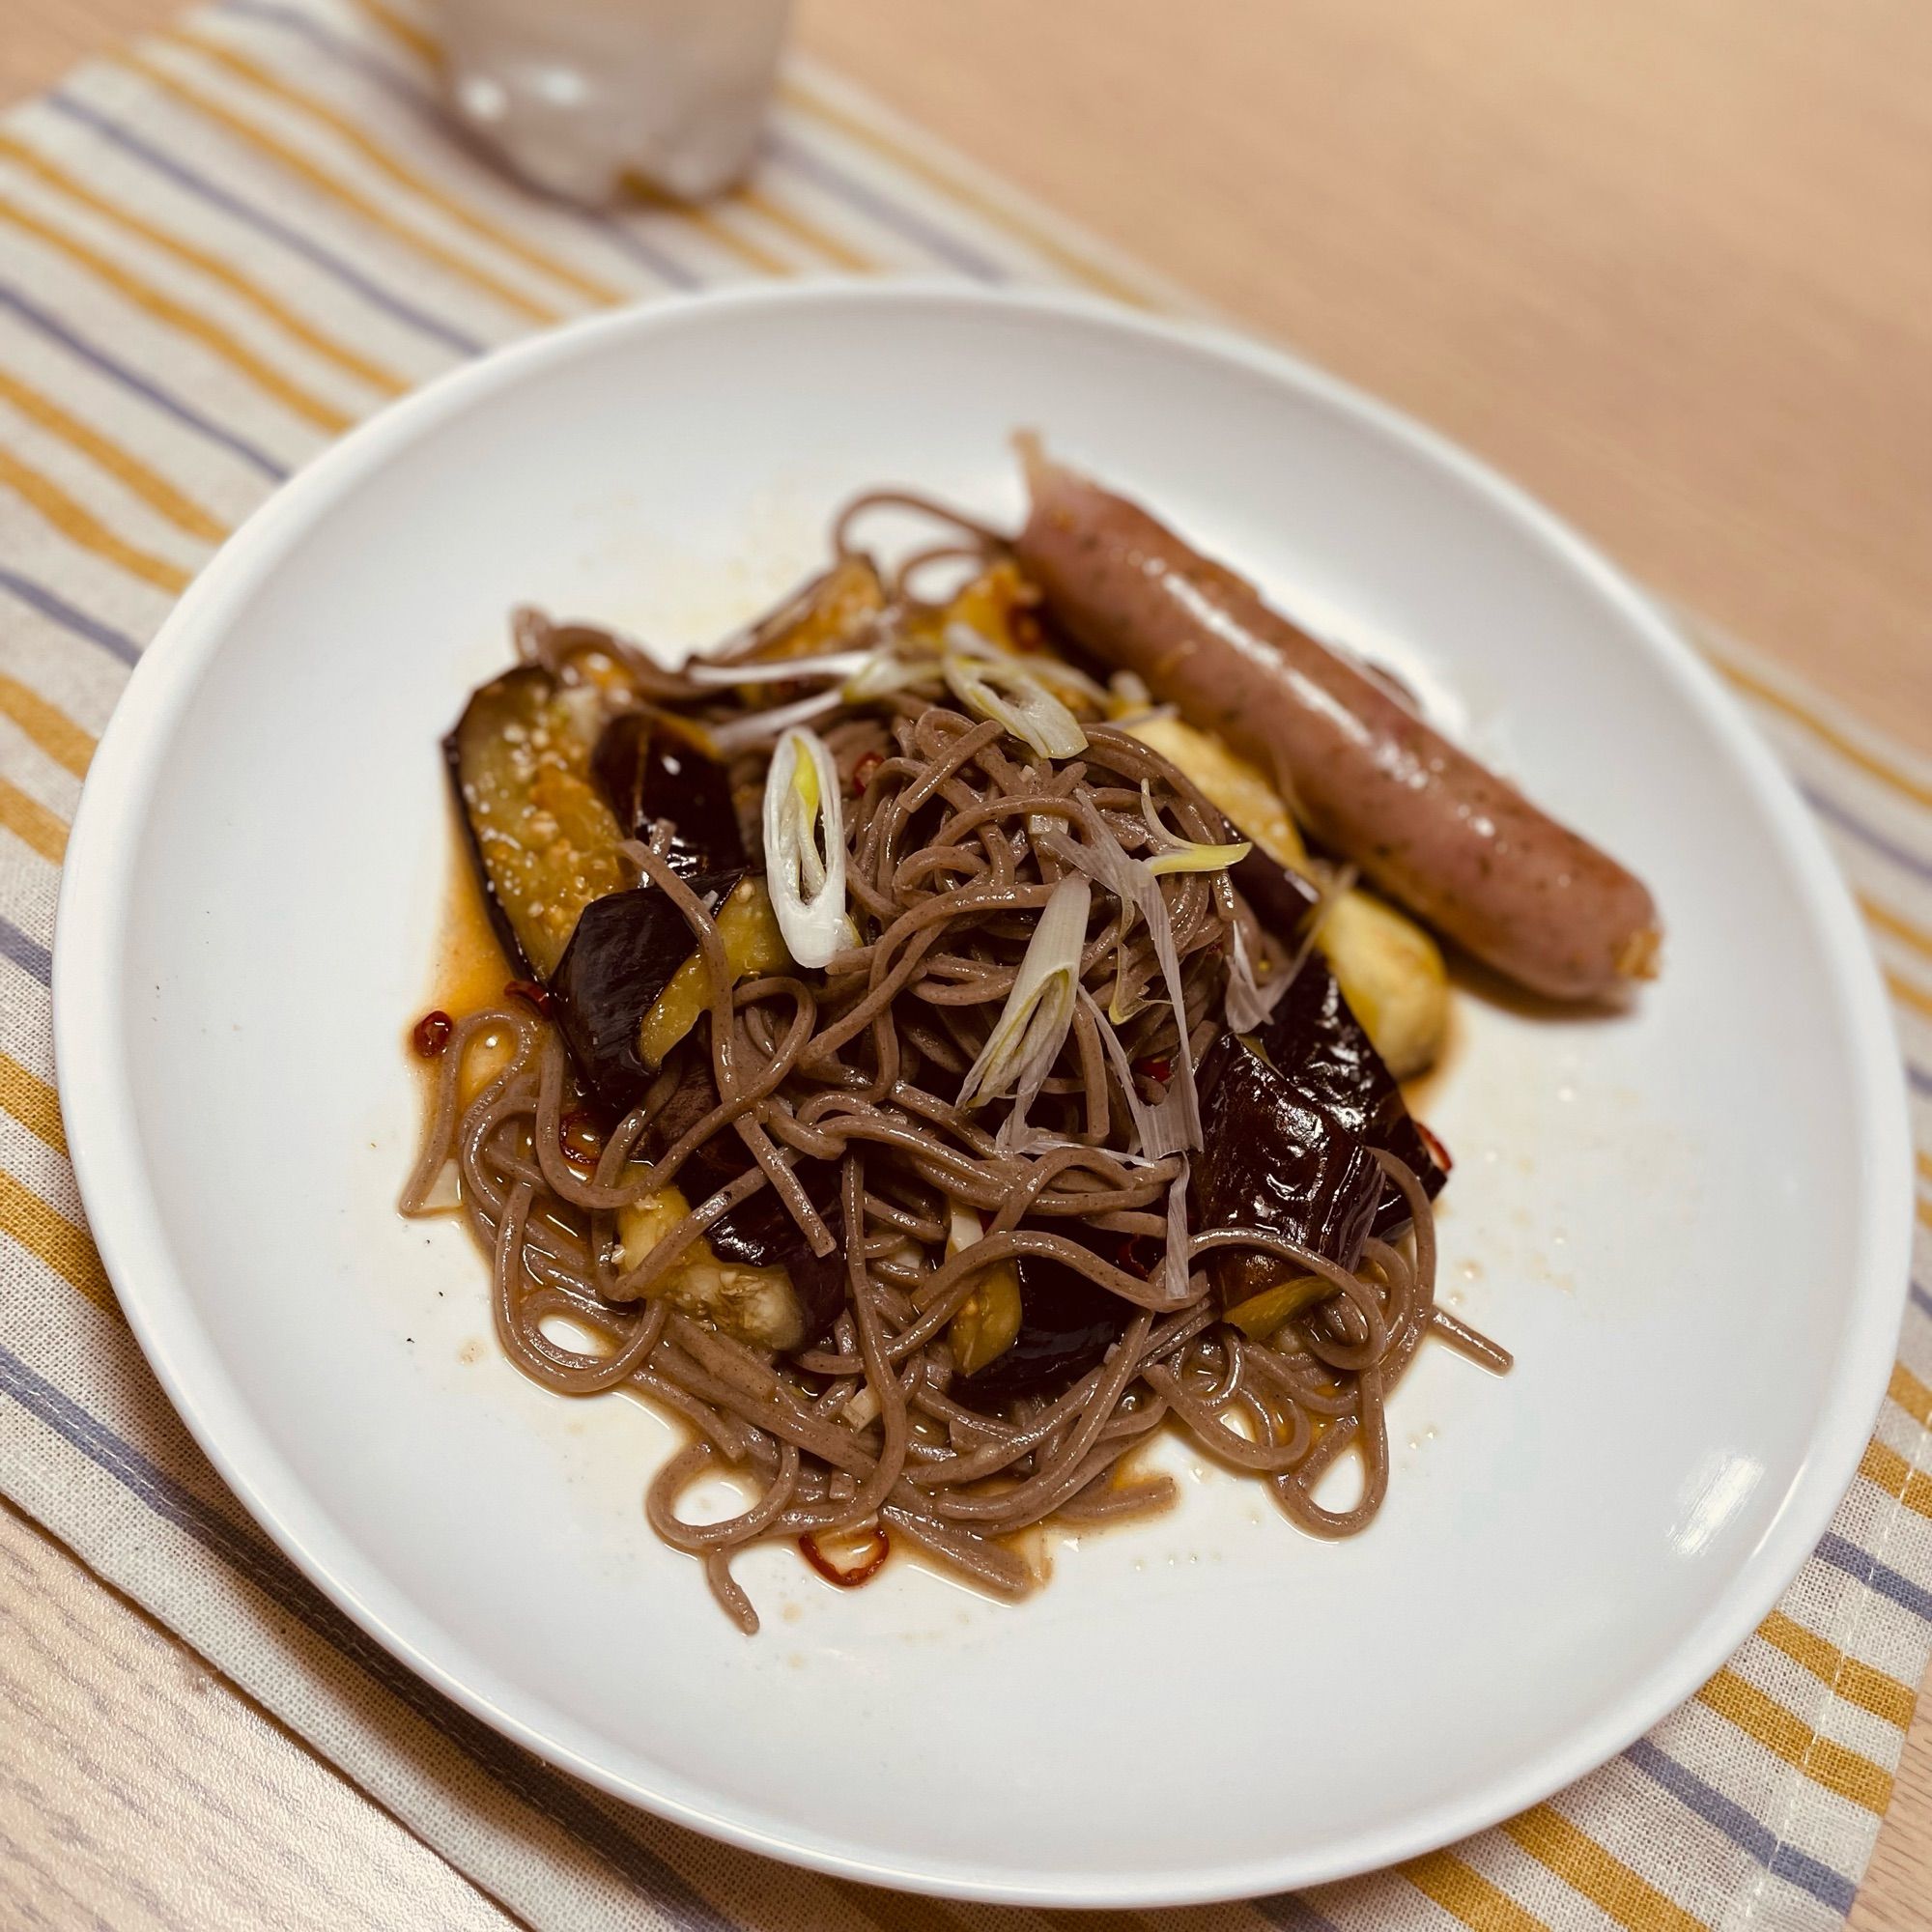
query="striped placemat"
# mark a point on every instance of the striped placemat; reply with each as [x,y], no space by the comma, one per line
[220,247]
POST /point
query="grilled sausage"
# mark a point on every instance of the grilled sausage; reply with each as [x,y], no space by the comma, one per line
[1425,821]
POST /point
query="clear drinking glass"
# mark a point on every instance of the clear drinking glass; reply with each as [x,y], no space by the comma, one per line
[579,95]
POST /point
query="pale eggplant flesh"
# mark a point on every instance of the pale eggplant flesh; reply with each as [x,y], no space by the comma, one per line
[1067,1324]
[760,1232]
[544,840]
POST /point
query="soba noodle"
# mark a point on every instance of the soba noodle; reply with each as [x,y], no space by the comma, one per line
[956,836]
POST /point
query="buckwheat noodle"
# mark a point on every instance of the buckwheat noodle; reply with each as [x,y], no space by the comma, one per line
[955,840]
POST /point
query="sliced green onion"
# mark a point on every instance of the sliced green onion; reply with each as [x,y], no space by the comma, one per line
[1248,1002]
[1174,1263]
[1147,1129]
[1056,673]
[1026,1038]
[804,847]
[1189,855]
[776,670]
[721,740]
[886,672]
[1175,1125]
[1176,854]
[1004,690]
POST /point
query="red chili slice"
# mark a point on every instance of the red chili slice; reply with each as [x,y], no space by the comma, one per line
[859,1573]
[1437,1153]
[861,772]
[432,1032]
[530,993]
[1159,1068]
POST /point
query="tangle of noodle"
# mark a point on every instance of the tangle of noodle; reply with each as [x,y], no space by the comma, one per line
[954,841]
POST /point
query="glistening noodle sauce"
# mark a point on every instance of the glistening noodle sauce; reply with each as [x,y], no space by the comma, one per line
[470,972]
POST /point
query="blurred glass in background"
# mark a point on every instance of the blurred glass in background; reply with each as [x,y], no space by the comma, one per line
[582,96]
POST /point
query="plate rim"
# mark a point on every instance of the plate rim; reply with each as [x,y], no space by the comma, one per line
[106,1150]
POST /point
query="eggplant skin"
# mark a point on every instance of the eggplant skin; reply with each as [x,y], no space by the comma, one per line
[625,951]
[759,1233]
[1281,898]
[1271,1159]
[544,841]
[648,772]
[1067,1324]
[1325,1052]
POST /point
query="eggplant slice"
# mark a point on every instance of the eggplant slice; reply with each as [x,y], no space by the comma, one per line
[649,772]
[625,951]
[1281,898]
[1272,1160]
[1067,1324]
[832,613]
[544,840]
[759,1233]
[1325,1052]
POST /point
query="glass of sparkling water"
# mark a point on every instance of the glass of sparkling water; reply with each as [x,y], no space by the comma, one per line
[582,96]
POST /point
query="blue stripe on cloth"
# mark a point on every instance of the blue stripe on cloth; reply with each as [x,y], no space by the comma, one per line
[542,1789]
[1920,1301]
[83,351]
[292,239]
[1874,1574]
[1868,835]
[1293,1914]
[902,220]
[63,613]
[373,67]
[27,953]
[1781,1861]
[1920,1080]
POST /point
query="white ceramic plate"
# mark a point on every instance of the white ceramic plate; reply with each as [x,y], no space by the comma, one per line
[1688,1223]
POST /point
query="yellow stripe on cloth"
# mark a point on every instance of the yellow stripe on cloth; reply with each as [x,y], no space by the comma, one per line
[1604,1880]
[1854,1682]
[51,729]
[841,253]
[1897,925]
[123,464]
[1925,1212]
[1827,733]
[55,1240]
[80,526]
[336,189]
[1924,1161]
[350,360]
[1902,989]
[1787,1736]
[32,1103]
[32,823]
[179,315]
[1908,1391]
[815,104]
[1466,1894]
[753,254]
[398,171]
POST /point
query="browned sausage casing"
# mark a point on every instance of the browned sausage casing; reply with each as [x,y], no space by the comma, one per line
[1423,820]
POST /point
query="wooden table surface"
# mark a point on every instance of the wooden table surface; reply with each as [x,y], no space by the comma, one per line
[1668,262]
